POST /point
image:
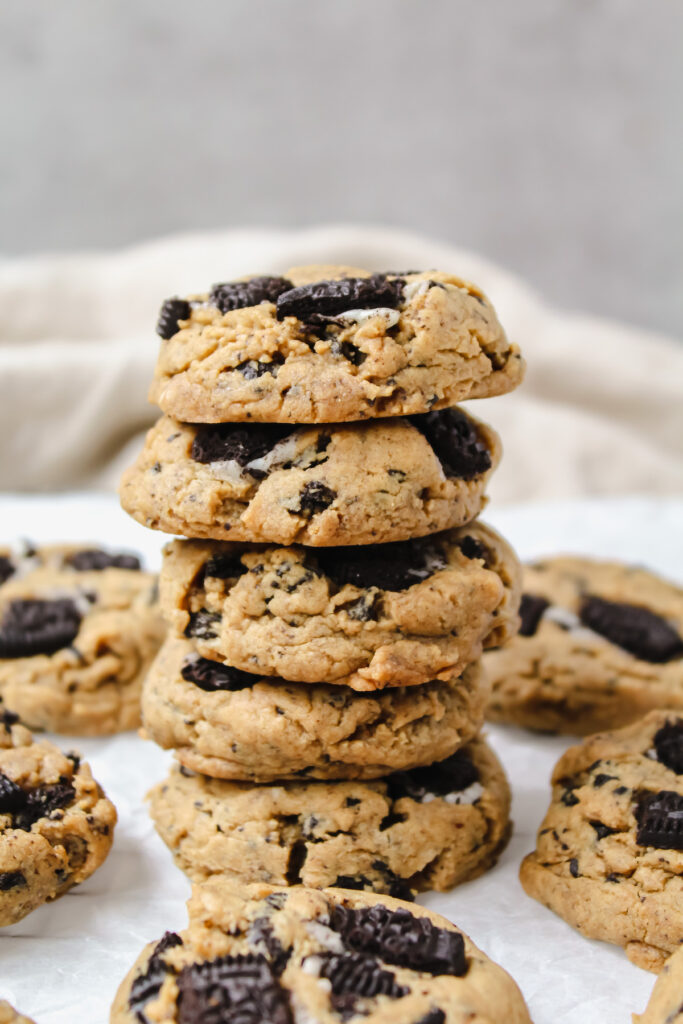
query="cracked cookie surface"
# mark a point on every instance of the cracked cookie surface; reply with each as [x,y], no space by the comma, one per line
[363,483]
[609,853]
[286,955]
[407,344]
[78,629]
[600,644]
[233,725]
[56,824]
[429,828]
[366,617]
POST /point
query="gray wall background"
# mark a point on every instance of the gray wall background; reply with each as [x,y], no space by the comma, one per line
[544,134]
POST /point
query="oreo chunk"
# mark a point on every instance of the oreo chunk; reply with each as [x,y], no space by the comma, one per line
[31,626]
[353,976]
[399,937]
[240,294]
[531,611]
[202,625]
[668,742]
[11,880]
[395,566]
[223,567]
[434,1016]
[146,986]
[42,802]
[455,441]
[221,442]
[315,497]
[213,675]
[171,312]
[95,560]
[635,629]
[6,568]
[473,548]
[329,298]
[453,775]
[251,369]
[242,989]
[660,820]
[261,933]
[12,796]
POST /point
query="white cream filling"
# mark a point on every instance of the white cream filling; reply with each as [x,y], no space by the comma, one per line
[282,452]
[470,795]
[327,938]
[570,621]
[360,316]
[228,469]
[415,288]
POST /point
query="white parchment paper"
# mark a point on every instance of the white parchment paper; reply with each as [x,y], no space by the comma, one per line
[63,963]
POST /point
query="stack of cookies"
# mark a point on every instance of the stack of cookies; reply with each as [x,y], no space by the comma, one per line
[321,682]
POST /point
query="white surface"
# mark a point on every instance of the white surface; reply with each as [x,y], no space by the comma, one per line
[62,964]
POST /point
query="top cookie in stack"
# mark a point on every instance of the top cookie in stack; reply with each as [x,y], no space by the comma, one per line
[335,594]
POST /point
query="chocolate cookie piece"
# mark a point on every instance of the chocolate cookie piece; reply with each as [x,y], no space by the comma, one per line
[599,646]
[231,724]
[385,615]
[326,486]
[172,311]
[56,825]
[34,626]
[610,860]
[340,345]
[392,835]
[425,972]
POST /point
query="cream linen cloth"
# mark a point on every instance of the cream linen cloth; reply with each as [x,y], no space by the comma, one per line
[600,412]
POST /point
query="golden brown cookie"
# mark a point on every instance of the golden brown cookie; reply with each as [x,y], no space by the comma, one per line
[234,725]
[330,344]
[609,854]
[366,617]
[600,644]
[56,824]
[284,955]
[665,1005]
[361,483]
[8,1015]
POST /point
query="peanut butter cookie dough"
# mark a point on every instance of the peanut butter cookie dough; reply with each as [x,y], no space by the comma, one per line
[363,483]
[429,828]
[8,1015]
[665,1005]
[600,644]
[366,617]
[286,955]
[328,344]
[56,825]
[609,854]
[234,725]
[78,629]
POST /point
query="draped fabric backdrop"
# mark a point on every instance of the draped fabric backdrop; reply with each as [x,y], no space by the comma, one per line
[600,411]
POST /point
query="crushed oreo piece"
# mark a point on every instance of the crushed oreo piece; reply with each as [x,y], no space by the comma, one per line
[473,548]
[660,820]
[146,986]
[202,625]
[602,830]
[6,568]
[214,675]
[456,442]
[401,938]
[8,718]
[574,867]
[453,775]
[668,743]
[353,976]
[434,1016]
[350,352]
[11,880]
[395,566]
[12,796]
[531,612]
[241,443]
[170,313]
[329,298]
[632,627]
[242,989]
[42,802]
[31,626]
[296,860]
[252,369]
[364,608]
[240,294]
[97,560]
[315,497]
[261,933]
[223,567]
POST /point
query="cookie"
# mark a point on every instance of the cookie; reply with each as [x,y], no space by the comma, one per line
[78,630]
[328,345]
[234,725]
[600,645]
[428,828]
[367,617]
[56,824]
[665,1005]
[286,955]
[609,854]
[8,1015]
[364,483]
